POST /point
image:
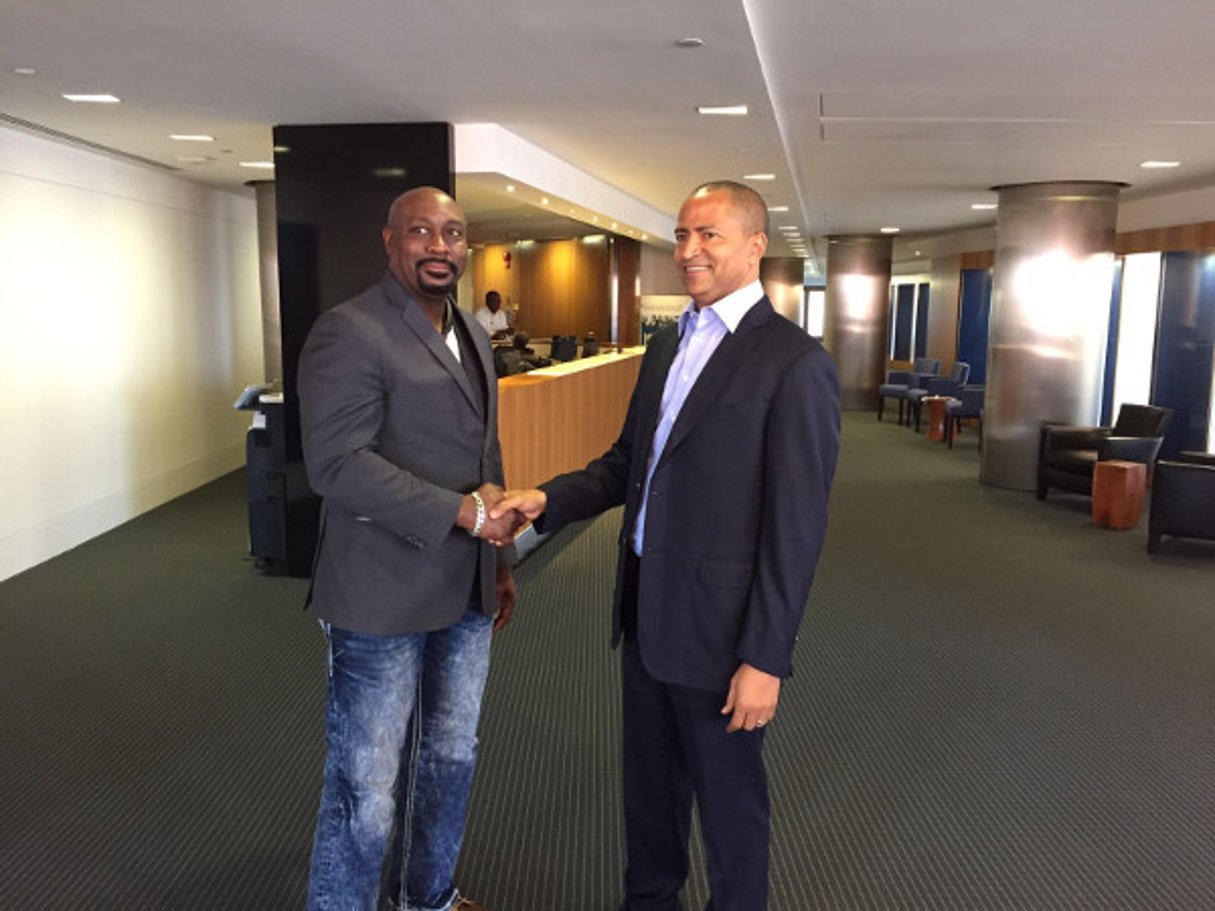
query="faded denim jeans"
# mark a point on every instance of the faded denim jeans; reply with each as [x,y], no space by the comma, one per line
[388,763]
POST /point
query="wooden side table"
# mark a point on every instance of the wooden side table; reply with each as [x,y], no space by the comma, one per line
[936,415]
[1118,493]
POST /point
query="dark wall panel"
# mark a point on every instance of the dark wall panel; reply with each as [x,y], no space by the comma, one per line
[904,314]
[1111,346]
[1185,337]
[972,325]
[333,186]
[921,319]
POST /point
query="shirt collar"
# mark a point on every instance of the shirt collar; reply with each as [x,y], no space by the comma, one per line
[730,309]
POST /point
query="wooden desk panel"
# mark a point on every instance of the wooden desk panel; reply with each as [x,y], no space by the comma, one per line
[559,418]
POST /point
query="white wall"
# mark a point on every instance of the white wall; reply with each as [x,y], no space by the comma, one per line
[130,320]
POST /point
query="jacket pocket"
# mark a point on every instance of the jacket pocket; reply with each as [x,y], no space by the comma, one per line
[726,573]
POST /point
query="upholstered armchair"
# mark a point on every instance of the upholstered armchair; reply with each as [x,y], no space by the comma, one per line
[967,404]
[950,385]
[1183,499]
[1066,454]
[898,382]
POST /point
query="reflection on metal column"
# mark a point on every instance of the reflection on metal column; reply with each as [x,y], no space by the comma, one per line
[1049,319]
[858,293]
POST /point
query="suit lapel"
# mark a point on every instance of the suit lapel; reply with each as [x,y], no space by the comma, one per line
[416,320]
[733,352]
[662,348]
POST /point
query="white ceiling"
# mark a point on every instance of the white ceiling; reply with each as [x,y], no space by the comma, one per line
[869,112]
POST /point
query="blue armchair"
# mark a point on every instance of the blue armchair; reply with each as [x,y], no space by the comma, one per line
[898,382]
[959,373]
[967,404]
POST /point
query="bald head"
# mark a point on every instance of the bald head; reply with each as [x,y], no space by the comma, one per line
[748,205]
[720,238]
[410,199]
[426,242]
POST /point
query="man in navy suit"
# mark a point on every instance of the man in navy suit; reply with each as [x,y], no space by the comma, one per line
[724,466]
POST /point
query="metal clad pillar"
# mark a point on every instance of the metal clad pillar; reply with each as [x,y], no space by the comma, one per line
[858,297]
[1049,319]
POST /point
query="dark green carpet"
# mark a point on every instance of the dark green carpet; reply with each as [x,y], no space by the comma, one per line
[995,705]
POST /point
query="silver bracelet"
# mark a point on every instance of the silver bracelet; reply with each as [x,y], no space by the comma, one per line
[480,523]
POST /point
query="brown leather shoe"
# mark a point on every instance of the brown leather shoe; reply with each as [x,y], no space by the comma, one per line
[467,904]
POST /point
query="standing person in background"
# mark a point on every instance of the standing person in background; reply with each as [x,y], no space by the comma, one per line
[492,317]
[398,408]
[724,466]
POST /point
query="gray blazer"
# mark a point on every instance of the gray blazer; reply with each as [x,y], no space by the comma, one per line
[394,435]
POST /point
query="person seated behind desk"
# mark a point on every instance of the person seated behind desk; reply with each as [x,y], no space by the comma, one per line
[518,357]
[492,317]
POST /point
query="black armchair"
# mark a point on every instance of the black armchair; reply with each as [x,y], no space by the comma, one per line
[1183,499]
[1066,455]
[899,381]
[949,386]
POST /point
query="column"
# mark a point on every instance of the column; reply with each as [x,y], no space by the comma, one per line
[267,267]
[1049,319]
[858,298]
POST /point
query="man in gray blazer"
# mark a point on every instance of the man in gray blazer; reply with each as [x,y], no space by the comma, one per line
[398,409]
[724,466]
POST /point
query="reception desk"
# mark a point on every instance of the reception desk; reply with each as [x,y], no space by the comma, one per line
[558,418]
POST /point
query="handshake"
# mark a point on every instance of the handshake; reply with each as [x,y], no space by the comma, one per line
[506,512]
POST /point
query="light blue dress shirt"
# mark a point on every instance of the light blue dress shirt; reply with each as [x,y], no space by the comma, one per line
[700,332]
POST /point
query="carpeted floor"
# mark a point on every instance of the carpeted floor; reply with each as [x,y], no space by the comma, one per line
[995,705]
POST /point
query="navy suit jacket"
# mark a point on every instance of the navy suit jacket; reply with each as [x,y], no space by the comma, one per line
[737,509]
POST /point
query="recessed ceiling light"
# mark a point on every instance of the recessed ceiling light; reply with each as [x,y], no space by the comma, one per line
[93,99]
[917,252]
[723,110]
[192,137]
[281,149]
[890,230]
[645,237]
[260,165]
[544,200]
[1160,164]
[778,208]
[690,42]
[613,226]
[510,188]
[24,71]
[759,177]
[984,205]
[391,172]
[595,218]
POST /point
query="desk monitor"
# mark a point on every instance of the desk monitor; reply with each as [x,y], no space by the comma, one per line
[564,348]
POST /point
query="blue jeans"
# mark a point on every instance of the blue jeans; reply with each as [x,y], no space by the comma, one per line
[401,731]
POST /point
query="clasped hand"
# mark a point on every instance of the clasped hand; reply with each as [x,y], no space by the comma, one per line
[506,512]
[497,529]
